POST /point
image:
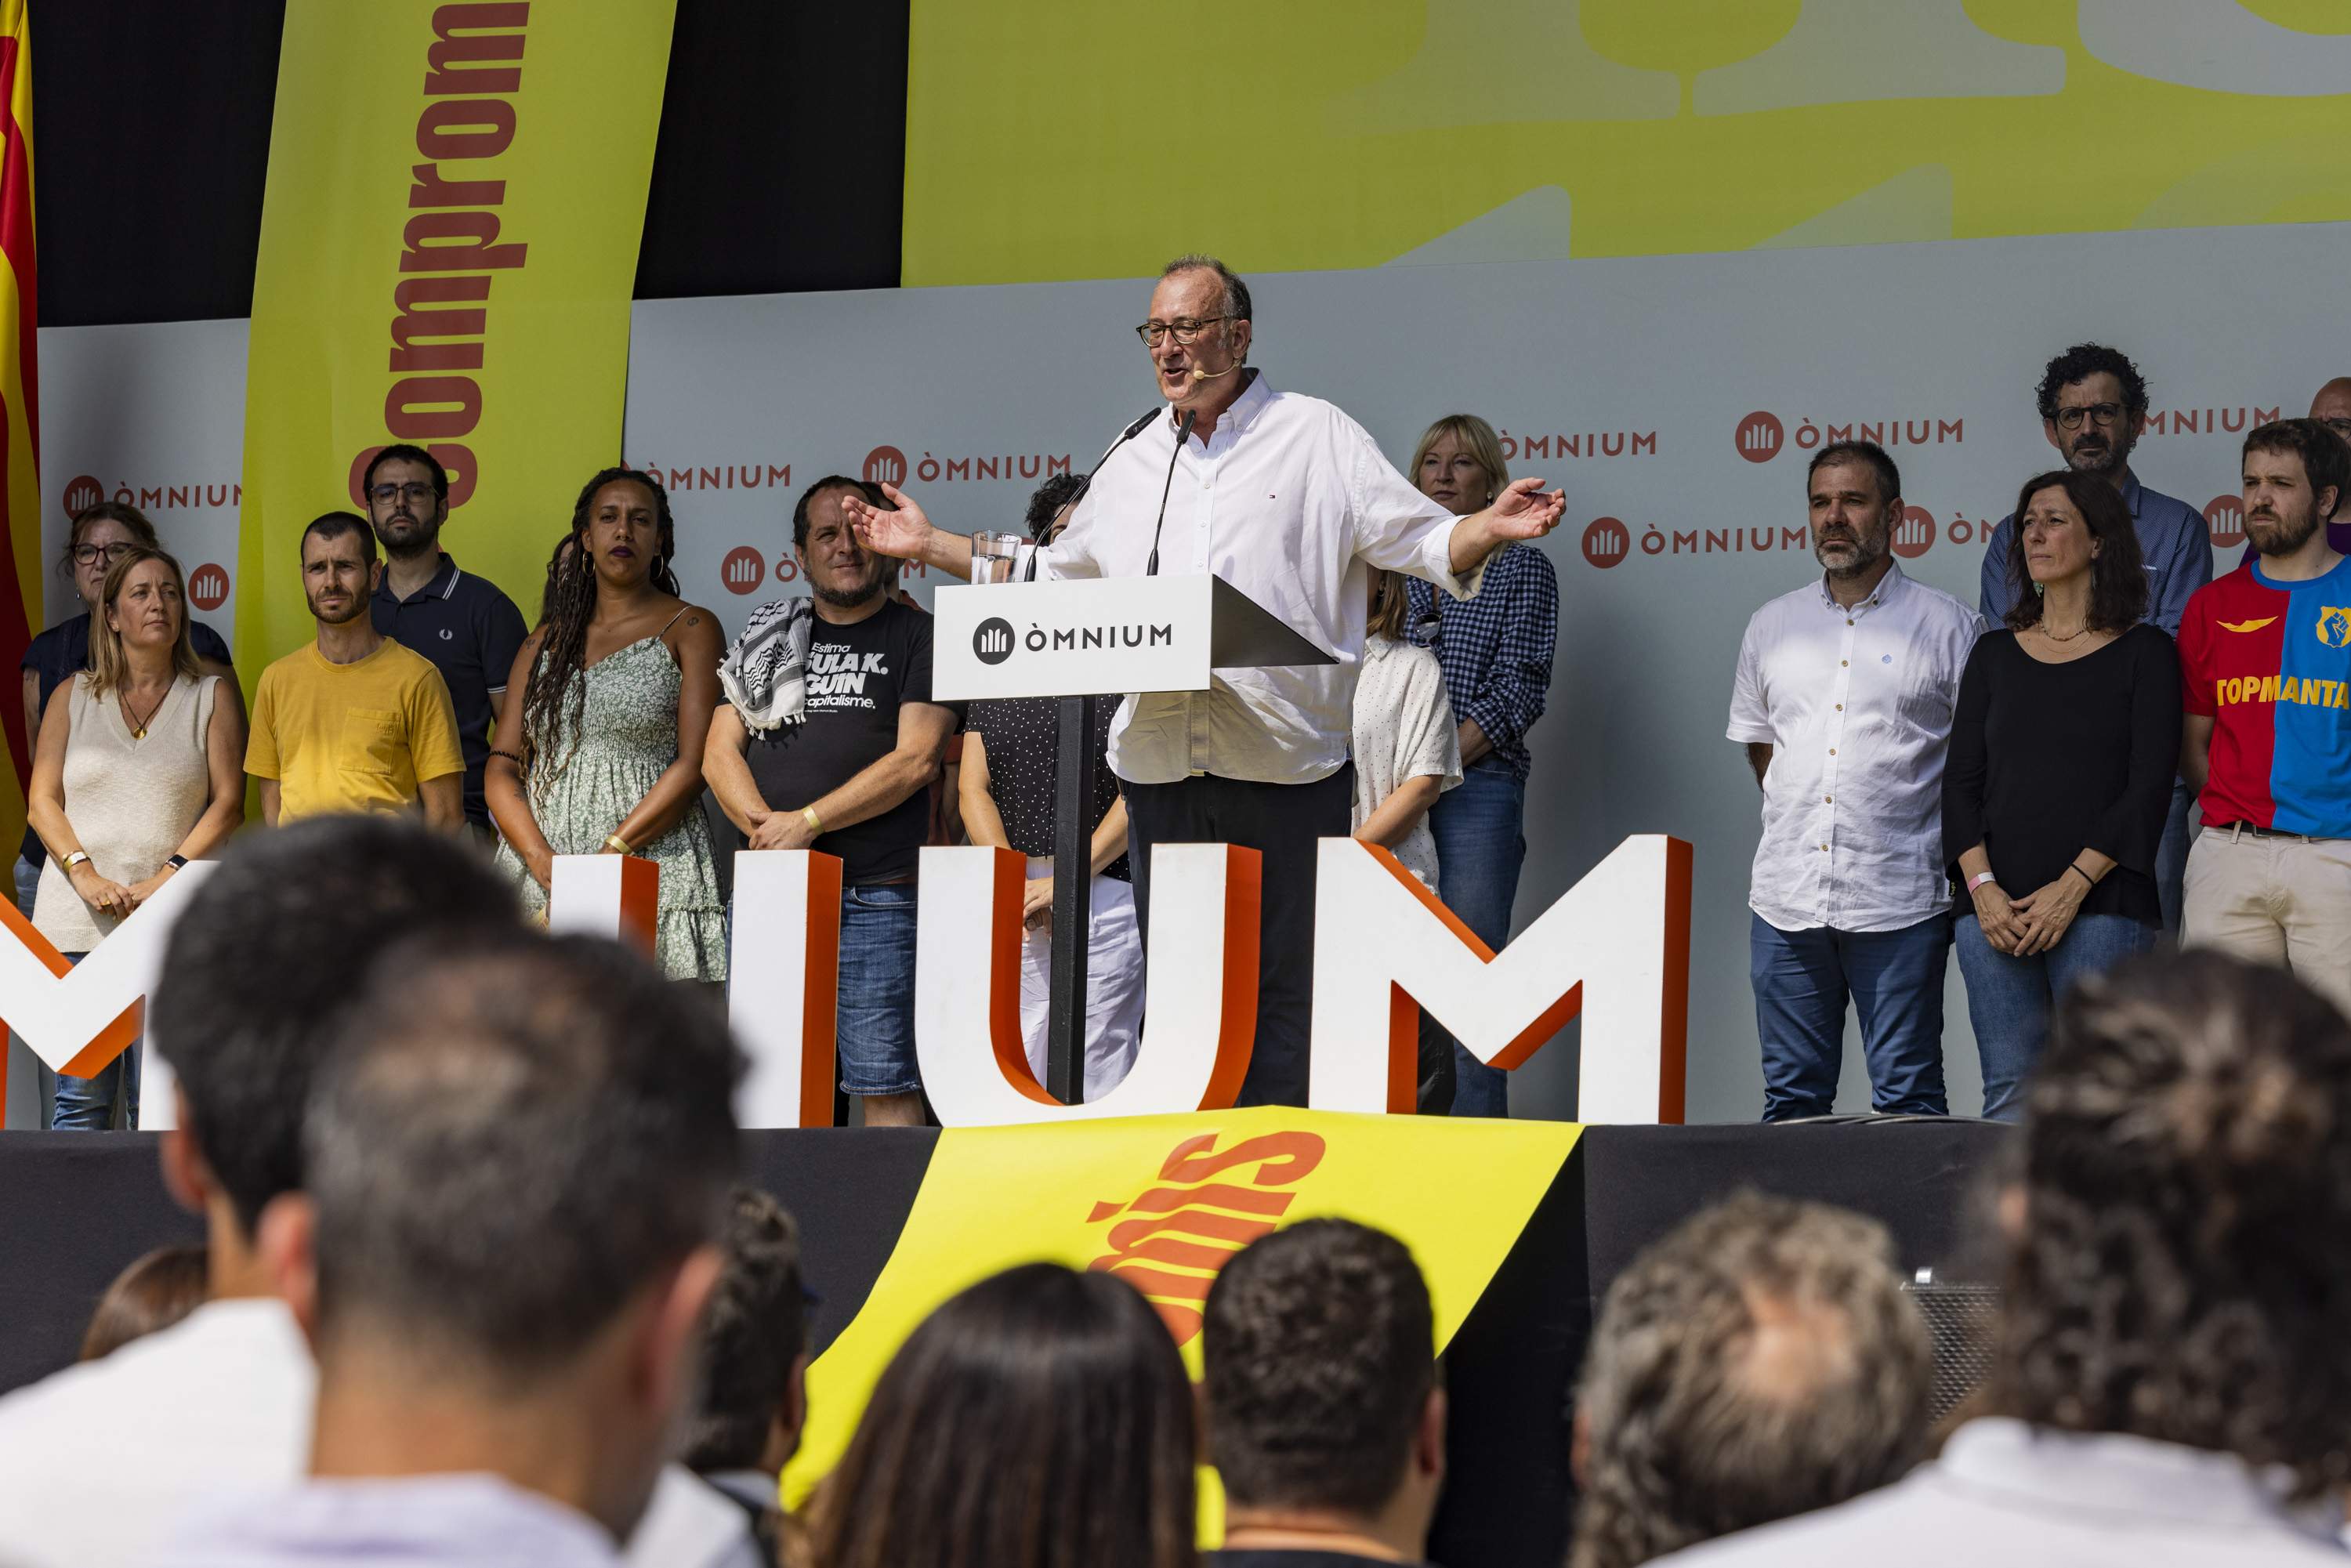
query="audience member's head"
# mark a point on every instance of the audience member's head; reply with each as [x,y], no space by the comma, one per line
[1321,1395]
[155,1292]
[755,1354]
[1041,1419]
[2179,1271]
[1758,1361]
[518,1154]
[261,966]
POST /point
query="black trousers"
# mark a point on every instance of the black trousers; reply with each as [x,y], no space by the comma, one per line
[1283,822]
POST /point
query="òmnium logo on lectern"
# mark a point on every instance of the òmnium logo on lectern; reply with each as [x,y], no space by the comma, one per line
[991,640]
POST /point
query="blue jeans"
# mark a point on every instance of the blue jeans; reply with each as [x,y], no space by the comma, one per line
[86,1104]
[875,1014]
[1803,980]
[1479,848]
[2171,857]
[2009,999]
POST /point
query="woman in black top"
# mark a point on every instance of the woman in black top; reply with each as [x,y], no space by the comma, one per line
[2061,757]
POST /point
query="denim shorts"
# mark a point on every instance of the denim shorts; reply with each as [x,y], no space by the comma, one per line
[875,1027]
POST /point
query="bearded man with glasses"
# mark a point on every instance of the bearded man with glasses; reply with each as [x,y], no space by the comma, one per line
[465,625]
[1292,503]
[2093,410]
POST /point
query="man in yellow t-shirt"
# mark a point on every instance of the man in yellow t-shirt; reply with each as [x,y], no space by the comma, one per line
[355,722]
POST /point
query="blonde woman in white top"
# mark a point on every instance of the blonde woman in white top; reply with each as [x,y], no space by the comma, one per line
[1407,752]
[138,770]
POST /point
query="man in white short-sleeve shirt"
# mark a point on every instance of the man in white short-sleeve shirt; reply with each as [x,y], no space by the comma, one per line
[1845,697]
[1289,501]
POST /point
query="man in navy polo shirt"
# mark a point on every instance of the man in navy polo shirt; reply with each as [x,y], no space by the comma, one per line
[464,624]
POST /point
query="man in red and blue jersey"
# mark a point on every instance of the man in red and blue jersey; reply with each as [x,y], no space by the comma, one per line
[2265,659]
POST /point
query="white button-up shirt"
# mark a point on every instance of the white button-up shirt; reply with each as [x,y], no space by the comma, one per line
[1857,704]
[2028,1497]
[1291,502]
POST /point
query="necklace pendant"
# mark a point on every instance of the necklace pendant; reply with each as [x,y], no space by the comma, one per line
[138,734]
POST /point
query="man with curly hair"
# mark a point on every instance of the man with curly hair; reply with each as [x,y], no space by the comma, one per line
[1756,1362]
[1324,1415]
[2172,1381]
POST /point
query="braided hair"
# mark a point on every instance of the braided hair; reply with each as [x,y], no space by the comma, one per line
[554,704]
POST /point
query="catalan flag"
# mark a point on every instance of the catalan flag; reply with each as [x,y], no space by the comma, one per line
[20,440]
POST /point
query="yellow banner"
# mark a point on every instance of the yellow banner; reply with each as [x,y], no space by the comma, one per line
[1346,133]
[448,249]
[1163,1200]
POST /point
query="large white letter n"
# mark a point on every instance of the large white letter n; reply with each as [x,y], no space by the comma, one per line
[1616,949]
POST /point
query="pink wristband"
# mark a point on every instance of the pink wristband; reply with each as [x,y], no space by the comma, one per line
[1977,880]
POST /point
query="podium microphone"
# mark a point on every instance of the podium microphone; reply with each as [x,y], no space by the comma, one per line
[1086,484]
[1183,434]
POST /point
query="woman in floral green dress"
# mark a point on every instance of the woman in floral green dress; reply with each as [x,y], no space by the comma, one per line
[598,748]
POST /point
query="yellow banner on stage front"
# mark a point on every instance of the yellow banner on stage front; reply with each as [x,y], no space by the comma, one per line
[1162,1200]
[448,249]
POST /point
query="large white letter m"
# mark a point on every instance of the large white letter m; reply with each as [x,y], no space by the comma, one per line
[1615,948]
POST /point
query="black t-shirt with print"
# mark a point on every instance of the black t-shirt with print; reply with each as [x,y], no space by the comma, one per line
[858,678]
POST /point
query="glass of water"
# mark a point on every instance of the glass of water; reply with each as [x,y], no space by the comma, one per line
[992,555]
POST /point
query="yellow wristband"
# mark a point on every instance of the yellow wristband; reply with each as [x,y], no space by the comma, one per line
[808,815]
[617,844]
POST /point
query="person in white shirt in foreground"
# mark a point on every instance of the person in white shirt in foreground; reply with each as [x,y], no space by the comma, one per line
[1289,501]
[517,1159]
[2171,1379]
[263,965]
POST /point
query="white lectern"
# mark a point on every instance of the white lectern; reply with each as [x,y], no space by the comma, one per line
[1073,640]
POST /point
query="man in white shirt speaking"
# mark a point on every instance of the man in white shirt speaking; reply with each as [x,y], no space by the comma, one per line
[1845,697]
[1289,501]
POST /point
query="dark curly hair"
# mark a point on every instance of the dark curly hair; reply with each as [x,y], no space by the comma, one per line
[553,703]
[2181,1273]
[2082,361]
[755,1328]
[1758,1361]
[1046,503]
[1319,1352]
[2117,572]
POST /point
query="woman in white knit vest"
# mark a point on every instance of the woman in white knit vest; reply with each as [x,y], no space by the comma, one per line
[138,770]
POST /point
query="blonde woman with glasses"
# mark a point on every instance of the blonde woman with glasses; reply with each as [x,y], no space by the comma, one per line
[138,771]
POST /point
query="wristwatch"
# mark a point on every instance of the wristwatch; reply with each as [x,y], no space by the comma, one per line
[175,862]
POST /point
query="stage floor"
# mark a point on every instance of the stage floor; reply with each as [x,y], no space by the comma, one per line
[76,1207]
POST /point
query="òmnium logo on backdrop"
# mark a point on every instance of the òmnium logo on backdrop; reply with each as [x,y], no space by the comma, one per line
[743,569]
[991,640]
[2224,519]
[208,587]
[82,495]
[1760,436]
[886,466]
[1606,542]
[1915,534]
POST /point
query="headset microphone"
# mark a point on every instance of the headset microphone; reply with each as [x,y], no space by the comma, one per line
[1199,375]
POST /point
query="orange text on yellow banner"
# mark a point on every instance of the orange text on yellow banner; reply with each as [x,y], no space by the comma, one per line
[1100,1194]
[448,247]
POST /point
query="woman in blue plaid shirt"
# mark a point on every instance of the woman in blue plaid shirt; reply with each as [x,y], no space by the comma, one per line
[1496,652]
